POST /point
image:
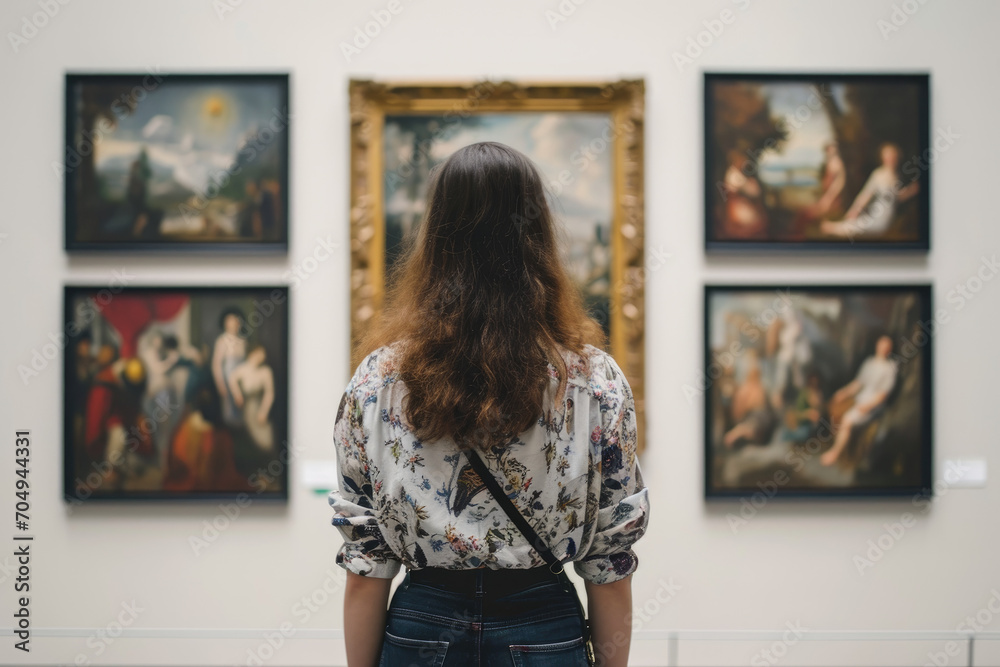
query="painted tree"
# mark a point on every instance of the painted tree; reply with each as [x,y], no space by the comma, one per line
[99,107]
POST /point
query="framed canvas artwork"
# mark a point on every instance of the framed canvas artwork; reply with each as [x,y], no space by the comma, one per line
[818,390]
[176,162]
[175,393]
[818,161]
[587,141]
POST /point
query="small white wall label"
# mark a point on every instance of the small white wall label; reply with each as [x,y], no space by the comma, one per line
[318,476]
[965,473]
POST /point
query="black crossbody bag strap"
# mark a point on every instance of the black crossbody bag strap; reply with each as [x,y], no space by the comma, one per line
[508,506]
[555,565]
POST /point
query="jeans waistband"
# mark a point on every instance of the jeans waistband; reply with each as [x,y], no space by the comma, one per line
[466,580]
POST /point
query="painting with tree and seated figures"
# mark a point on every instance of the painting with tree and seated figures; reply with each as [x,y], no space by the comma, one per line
[818,162]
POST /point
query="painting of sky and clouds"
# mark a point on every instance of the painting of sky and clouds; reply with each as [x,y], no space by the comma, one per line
[185,160]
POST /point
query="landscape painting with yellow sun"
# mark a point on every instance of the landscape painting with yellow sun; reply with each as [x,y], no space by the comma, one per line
[172,161]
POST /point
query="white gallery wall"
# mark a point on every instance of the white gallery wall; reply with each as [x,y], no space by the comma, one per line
[791,565]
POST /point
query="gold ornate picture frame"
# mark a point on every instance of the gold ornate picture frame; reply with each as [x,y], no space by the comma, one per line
[604,124]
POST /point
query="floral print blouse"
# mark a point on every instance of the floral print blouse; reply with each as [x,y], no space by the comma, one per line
[574,476]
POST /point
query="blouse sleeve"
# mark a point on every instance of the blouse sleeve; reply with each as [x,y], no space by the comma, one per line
[364,551]
[623,510]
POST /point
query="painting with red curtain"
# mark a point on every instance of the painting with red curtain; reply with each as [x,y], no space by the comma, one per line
[176,392]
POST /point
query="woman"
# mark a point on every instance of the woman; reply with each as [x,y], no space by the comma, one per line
[832,181]
[229,352]
[485,345]
[745,215]
[874,209]
[158,352]
[752,414]
[252,387]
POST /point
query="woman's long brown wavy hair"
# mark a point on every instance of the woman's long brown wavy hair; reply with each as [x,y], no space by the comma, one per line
[480,301]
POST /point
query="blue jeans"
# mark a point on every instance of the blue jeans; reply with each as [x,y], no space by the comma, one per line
[539,626]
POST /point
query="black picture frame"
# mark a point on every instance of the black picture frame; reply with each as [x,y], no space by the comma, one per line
[262,475]
[823,362]
[914,132]
[83,215]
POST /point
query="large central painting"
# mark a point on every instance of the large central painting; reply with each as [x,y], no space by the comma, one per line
[586,141]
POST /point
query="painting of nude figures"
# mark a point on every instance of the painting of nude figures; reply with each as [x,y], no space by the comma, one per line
[818,162]
[174,393]
[818,390]
[176,162]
